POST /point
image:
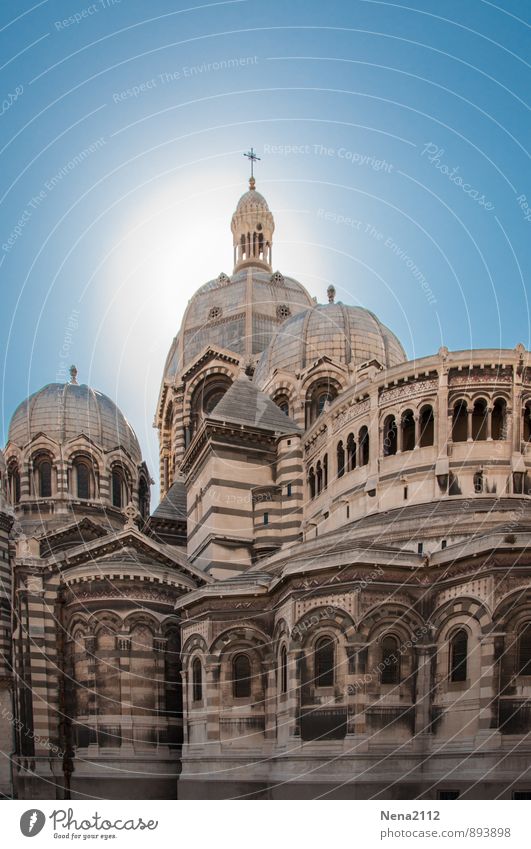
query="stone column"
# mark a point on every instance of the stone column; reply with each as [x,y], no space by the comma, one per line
[213,697]
[469,413]
[423,690]
[399,436]
[270,699]
[488,692]
[126,696]
[294,692]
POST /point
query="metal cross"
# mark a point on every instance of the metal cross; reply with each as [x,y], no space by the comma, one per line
[252,157]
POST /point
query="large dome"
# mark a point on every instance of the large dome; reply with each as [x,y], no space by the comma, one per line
[239,313]
[344,333]
[63,411]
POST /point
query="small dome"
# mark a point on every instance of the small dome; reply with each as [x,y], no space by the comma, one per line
[224,310]
[63,411]
[251,199]
[346,334]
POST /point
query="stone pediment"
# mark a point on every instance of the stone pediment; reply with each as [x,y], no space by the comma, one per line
[70,536]
[134,550]
[209,354]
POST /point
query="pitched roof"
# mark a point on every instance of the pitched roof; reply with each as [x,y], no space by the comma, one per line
[173,506]
[244,404]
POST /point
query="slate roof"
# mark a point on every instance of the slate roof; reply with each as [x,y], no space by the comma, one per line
[173,506]
[244,404]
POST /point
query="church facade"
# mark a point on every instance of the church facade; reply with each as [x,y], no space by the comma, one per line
[333,597]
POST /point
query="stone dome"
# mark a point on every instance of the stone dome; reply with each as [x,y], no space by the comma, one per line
[251,199]
[240,313]
[344,333]
[63,411]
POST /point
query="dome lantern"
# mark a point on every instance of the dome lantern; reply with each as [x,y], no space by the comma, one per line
[252,228]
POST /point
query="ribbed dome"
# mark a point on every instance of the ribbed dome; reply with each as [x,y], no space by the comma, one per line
[63,411]
[344,333]
[251,199]
[239,313]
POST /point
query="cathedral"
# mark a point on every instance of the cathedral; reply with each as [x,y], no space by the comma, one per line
[333,597]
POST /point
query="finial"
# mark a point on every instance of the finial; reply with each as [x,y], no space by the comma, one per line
[252,157]
[131,514]
[73,375]
[331,292]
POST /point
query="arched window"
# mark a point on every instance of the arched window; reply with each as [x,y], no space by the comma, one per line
[43,471]
[311,482]
[324,662]
[319,477]
[143,498]
[389,436]
[427,427]
[283,670]
[206,397]
[212,400]
[82,479]
[321,393]
[524,650]
[340,460]
[13,483]
[478,482]
[391,660]
[499,419]
[460,422]
[527,422]
[241,677]
[408,431]
[458,655]
[364,445]
[282,402]
[119,494]
[197,680]
[479,420]
[351,452]
[325,471]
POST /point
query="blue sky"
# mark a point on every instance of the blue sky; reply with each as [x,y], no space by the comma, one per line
[394,145]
